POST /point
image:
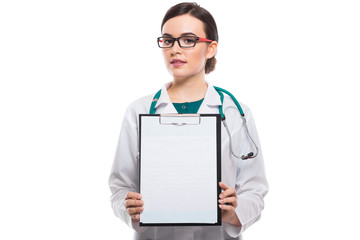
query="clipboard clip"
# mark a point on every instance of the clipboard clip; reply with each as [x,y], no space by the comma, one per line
[179,119]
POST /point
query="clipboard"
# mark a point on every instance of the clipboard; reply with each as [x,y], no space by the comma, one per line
[180,169]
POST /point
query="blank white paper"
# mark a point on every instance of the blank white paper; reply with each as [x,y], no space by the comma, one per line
[178,179]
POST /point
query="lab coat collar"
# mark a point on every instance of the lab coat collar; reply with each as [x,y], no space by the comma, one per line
[164,96]
[212,98]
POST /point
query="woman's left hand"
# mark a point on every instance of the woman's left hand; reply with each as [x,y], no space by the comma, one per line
[228,196]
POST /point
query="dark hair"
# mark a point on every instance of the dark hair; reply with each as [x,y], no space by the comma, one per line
[203,15]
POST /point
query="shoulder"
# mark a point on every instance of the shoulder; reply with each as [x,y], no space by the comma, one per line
[230,106]
[140,105]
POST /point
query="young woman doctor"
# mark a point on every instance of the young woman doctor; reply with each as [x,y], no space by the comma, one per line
[189,41]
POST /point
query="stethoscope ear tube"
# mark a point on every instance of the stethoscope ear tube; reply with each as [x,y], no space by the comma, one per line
[154,101]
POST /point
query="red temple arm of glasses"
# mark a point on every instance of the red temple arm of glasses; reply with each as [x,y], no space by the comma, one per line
[205,40]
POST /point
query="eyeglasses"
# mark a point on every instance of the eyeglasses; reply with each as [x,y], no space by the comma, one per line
[184,42]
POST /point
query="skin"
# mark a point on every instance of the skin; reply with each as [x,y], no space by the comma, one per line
[188,85]
[188,80]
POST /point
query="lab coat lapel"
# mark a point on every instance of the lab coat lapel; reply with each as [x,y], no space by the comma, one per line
[211,101]
[164,101]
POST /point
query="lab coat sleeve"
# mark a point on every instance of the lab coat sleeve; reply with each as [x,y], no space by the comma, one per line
[251,184]
[124,175]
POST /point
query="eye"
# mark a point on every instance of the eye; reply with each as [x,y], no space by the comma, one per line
[189,40]
[167,41]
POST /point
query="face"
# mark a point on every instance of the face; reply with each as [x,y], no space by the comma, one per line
[192,59]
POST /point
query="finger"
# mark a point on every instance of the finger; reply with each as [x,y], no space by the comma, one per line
[135,217]
[226,207]
[228,192]
[229,201]
[131,195]
[132,211]
[133,203]
[223,186]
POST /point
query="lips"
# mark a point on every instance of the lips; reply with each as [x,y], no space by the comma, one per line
[177,62]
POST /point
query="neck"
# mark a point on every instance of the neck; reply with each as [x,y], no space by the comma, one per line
[187,90]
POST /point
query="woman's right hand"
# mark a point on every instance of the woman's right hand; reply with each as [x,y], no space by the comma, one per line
[133,204]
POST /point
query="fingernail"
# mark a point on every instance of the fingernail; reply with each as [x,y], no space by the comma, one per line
[221,196]
[221,201]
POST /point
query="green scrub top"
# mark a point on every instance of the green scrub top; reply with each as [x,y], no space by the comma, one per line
[188,107]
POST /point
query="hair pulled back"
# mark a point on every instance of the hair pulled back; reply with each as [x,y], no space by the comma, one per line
[203,15]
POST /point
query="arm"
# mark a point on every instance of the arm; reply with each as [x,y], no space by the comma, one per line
[124,175]
[251,185]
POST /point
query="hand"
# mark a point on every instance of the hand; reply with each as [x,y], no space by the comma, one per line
[228,211]
[134,205]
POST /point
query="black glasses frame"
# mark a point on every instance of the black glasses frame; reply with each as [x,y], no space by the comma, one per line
[197,39]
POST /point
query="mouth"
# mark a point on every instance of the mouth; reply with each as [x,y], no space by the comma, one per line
[177,62]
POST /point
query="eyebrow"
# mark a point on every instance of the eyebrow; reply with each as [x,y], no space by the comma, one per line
[183,34]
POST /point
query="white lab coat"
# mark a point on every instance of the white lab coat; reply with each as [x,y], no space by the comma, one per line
[246,176]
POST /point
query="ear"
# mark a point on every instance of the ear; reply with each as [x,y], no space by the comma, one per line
[211,49]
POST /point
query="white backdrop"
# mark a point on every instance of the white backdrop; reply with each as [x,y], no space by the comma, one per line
[68,70]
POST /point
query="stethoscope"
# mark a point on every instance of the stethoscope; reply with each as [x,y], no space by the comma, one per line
[223,119]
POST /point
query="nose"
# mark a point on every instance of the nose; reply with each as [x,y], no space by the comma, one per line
[175,48]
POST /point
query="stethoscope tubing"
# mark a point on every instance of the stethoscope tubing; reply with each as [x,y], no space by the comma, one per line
[242,115]
[223,118]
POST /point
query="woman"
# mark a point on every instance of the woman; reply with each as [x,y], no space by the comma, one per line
[188,59]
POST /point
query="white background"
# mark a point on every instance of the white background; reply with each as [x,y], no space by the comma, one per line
[68,70]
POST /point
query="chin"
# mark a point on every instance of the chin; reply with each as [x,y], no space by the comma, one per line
[179,75]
